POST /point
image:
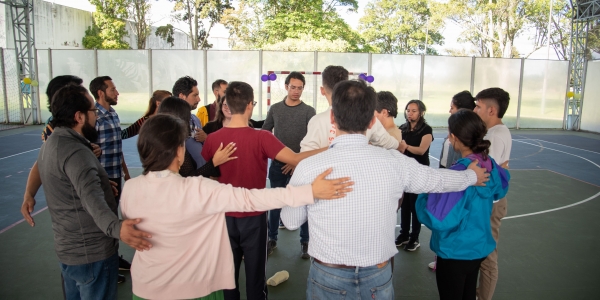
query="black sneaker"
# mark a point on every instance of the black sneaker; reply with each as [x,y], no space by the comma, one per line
[271,245]
[401,240]
[123,264]
[304,247]
[412,245]
[121,278]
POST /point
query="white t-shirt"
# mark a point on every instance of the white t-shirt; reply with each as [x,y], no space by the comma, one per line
[501,140]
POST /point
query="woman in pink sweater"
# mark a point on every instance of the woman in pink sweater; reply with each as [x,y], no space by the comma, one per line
[191,256]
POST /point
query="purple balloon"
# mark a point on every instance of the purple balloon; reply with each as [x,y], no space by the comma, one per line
[272,76]
[264,77]
[370,79]
[362,76]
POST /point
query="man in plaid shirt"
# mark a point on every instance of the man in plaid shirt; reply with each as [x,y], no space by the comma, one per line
[108,126]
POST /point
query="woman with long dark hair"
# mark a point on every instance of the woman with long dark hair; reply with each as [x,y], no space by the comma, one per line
[417,137]
[461,233]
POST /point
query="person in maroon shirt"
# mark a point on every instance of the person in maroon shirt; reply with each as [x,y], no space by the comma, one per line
[248,231]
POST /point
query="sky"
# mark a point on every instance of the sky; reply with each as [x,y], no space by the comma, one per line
[160,15]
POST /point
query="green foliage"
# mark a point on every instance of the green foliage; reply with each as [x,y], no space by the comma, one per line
[306,42]
[108,27]
[402,26]
[138,11]
[166,33]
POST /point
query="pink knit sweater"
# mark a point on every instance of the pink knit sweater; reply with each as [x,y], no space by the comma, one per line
[191,255]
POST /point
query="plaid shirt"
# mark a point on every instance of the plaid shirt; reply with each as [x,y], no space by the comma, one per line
[109,140]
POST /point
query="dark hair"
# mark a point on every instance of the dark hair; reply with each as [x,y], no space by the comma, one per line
[238,95]
[422,109]
[468,127]
[217,84]
[499,96]
[295,75]
[184,85]
[353,104]
[66,102]
[59,82]
[157,96]
[175,106]
[219,115]
[332,75]
[99,83]
[464,99]
[159,138]
[387,100]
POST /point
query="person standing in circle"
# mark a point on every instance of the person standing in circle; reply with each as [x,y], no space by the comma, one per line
[417,137]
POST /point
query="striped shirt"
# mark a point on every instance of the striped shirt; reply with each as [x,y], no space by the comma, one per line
[358,230]
[108,126]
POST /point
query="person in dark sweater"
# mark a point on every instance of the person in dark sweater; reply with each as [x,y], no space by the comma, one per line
[288,120]
[417,137]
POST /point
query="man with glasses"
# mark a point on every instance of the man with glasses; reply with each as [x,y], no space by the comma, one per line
[289,119]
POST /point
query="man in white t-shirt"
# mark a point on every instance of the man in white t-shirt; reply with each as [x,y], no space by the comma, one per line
[321,132]
[491,104]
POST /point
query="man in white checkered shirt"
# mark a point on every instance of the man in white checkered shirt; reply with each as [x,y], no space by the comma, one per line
[352,239]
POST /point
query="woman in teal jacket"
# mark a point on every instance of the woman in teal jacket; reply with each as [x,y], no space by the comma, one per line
[460,221]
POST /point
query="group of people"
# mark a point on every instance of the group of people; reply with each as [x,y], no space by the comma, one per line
[201,207]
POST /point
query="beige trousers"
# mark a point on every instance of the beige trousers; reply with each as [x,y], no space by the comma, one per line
[488,272]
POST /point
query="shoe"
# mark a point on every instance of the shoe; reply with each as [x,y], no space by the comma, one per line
[281,226]
[304,247]
[412,245]
[271,245]
[123,264]
[432,265]
[121,278]
[400,240]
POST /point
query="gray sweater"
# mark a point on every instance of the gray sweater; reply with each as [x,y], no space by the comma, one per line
[80,199]
[289,122]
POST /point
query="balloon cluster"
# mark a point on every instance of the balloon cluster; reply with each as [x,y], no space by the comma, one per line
[366,78]
[270,77]
[576,96]
[28,81]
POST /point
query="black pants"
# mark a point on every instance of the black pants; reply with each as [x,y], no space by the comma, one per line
[408,215]
[457,279]
[248,238]
[119,183]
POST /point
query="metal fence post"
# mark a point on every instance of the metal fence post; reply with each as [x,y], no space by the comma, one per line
[472,87]
[50,75]
[315,86]
[520,93]
[96,62]
[150,82]
[205,61]
[6,115]
[260,84]
[585,66]
[422,77]
[566,111]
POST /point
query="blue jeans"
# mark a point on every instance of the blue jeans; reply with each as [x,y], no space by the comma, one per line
[97,280]
[278,179]
[359,283]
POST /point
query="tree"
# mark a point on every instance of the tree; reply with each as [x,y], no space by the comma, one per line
[199,16]
[108,25]
[402,26]
[138,11]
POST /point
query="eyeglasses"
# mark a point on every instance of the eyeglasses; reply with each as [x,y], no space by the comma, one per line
[254,103]
[95,110]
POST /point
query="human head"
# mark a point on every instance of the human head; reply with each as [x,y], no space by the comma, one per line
[223,113]
[331,76]
[72,107]
[157,97]
[294,85]
[387,106]
[218,88]
[175,106]
[161,141]
[240,98]
[415,112]
[59,82]
[463,99]
[186,88]
[104,90]
[468,128]
[491,104]
[353,104]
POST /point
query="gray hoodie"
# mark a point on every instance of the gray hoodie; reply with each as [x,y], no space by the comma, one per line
[80,199]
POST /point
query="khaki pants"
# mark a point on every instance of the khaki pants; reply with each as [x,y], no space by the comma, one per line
[488,276]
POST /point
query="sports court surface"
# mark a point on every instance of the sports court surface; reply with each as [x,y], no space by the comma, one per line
[548,247]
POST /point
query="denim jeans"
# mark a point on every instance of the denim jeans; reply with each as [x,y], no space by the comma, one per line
[360,283]
[278,179]
[97,280]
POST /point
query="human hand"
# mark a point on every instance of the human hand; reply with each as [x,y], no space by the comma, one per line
[113,186]
[504,165]
[331,188]
[133,237]
[200,136]
[27,208]
[287,169]
[96,149]
[402,146]
[223,155]
[482,176]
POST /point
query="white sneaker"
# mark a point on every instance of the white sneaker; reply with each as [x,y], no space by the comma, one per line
[431,265]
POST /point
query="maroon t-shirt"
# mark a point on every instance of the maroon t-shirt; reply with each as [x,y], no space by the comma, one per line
[249,170]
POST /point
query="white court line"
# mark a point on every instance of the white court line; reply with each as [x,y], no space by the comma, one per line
[434,158]
[560,152]
[18,154]
[565,146]
[554,209]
